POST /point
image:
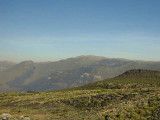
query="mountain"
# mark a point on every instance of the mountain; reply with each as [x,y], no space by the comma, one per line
[130,77]
[120,98]
[71,72]
[4,65]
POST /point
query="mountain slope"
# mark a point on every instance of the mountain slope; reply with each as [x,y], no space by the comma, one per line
[22,75]
[15,75]
[133,77]
[67,73]
[4,65]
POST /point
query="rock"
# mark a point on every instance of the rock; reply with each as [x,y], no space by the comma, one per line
[32,91]
[5,116]
[14,119]
[24,118]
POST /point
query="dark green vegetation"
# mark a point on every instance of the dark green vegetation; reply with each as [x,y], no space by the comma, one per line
[66,73]
[134,95]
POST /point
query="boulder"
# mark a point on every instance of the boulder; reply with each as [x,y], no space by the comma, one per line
[5,116]
[24,118]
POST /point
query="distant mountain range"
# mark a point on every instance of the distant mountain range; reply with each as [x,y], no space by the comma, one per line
[66,73]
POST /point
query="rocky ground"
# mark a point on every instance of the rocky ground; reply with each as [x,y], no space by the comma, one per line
[5,116]
[137,101]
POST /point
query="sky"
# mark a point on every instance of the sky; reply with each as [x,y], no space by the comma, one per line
[49,30]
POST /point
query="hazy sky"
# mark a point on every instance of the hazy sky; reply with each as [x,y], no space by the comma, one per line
[47,30]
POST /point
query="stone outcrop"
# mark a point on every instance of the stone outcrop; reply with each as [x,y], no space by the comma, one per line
[6,116]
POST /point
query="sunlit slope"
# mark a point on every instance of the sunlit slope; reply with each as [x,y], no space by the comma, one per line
[137,76]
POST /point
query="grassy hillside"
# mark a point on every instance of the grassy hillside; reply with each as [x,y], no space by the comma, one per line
[67,73]
[135,76]
[118,100]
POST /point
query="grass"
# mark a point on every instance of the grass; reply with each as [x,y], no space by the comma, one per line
[112,98]
[93,104]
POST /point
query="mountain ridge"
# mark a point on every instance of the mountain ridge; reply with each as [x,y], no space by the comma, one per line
[129,78]
[67,73]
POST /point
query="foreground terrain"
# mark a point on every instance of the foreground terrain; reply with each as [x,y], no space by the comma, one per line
[133,95]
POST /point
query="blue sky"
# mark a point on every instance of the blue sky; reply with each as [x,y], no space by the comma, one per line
[47,30]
